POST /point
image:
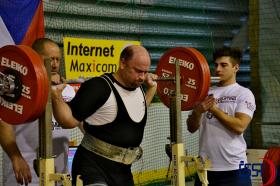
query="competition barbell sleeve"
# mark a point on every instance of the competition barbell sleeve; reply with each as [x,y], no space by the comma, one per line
[7,84]
[160,78]
[165,79]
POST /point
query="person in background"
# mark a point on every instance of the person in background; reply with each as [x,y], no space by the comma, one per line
[113,108]
[20,142]
[222,117]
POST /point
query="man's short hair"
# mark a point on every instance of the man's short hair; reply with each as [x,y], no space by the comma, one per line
[127,53]
[234,53]
[38,44]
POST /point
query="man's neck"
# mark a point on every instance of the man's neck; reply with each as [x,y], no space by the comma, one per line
[225,83]
[118,79]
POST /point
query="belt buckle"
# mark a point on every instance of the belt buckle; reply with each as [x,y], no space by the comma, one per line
[132,155]
[139,152]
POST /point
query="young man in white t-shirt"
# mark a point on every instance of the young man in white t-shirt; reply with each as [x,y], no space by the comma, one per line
[221,118]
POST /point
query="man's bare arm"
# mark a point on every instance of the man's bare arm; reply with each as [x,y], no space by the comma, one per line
[236,124]
[151,87]
[8,142]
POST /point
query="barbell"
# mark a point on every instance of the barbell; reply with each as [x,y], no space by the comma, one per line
[24,82]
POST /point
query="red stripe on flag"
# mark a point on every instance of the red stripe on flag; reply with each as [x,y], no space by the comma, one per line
[36,29]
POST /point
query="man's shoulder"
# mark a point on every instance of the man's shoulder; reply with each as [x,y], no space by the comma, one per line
[95,80]
[243,90]
[96,86]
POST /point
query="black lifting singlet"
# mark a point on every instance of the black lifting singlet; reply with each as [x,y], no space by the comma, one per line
[123,131]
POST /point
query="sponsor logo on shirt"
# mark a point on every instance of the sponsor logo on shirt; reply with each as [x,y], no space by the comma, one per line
[226,99]
[250,106]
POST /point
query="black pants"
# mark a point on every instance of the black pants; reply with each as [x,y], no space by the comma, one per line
[96,170]
[227,178]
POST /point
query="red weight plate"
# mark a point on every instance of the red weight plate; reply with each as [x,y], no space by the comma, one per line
[44,82]
[43,87]
[13,57]
[37,100]
[207,81]
[192,76]
[206,72]
[270,167]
